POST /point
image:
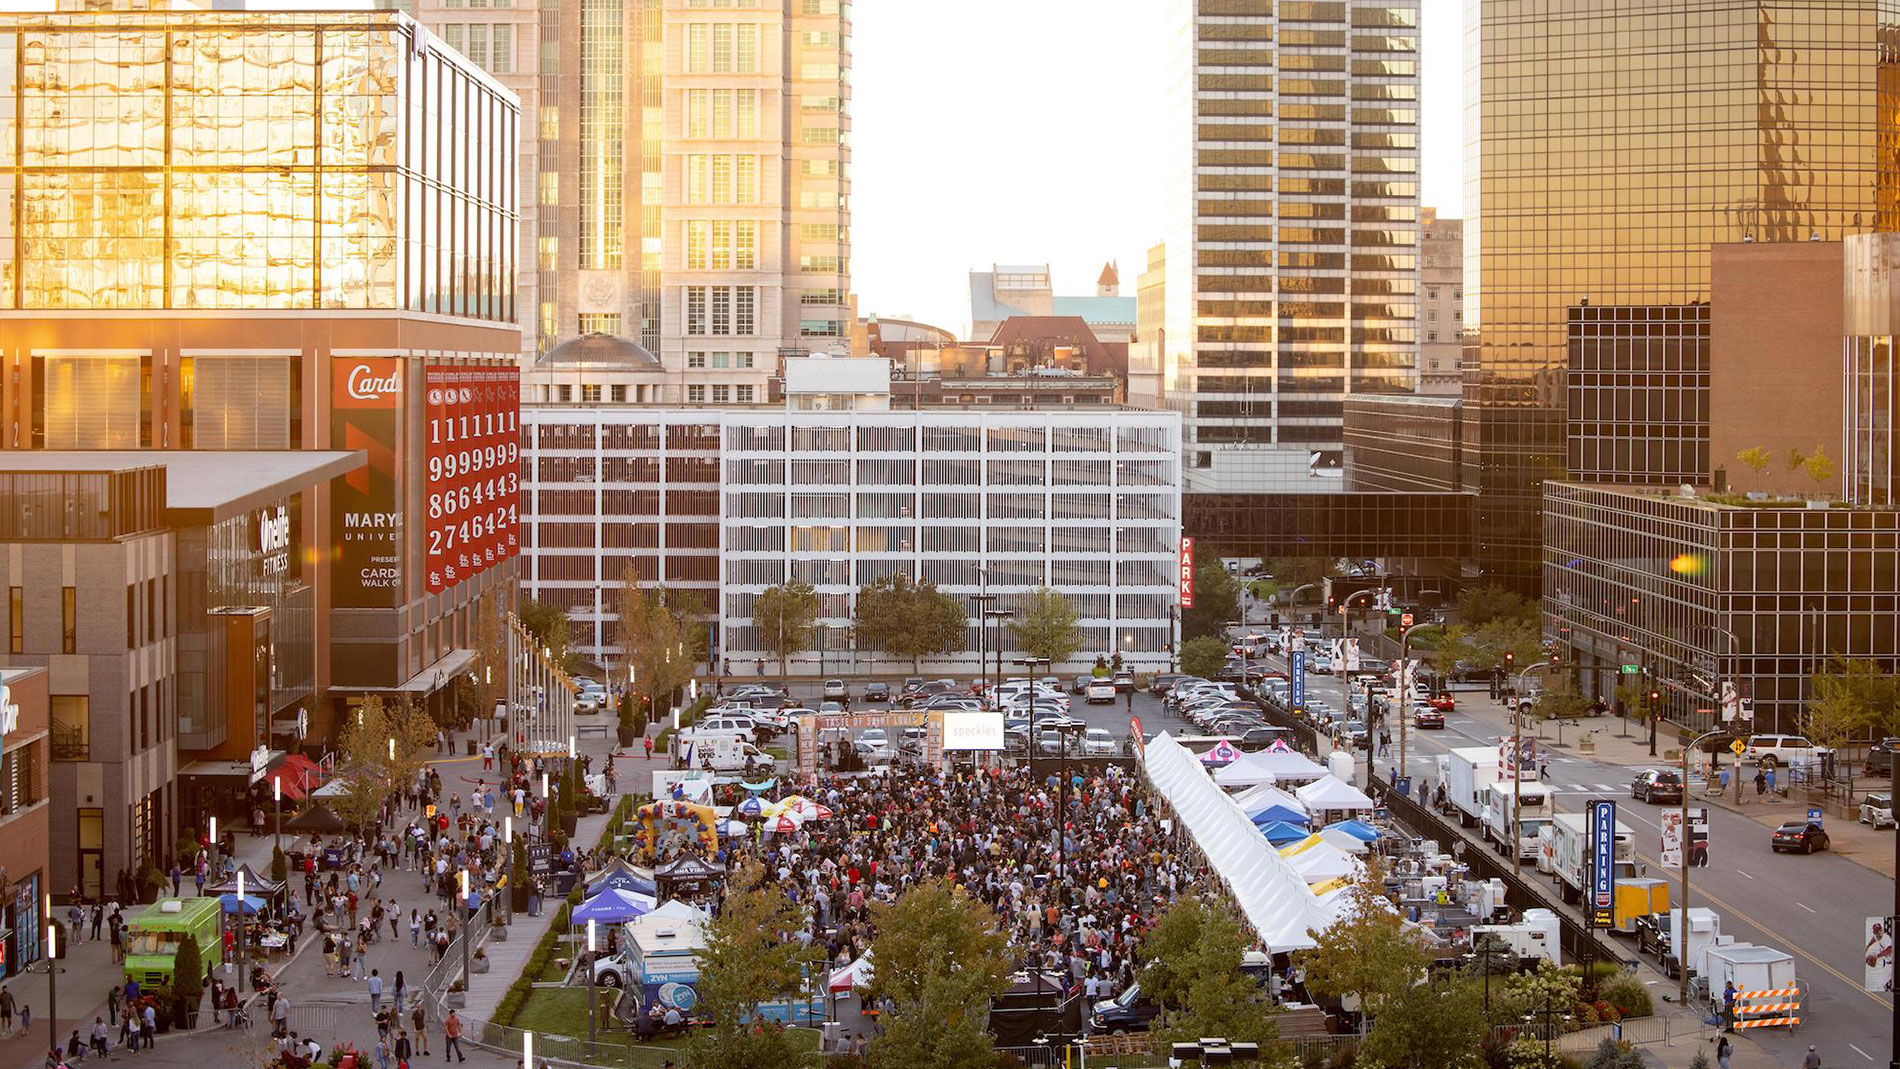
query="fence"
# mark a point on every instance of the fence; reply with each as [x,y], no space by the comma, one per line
[1567,1038]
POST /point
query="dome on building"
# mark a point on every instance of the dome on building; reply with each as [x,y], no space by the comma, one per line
[603,351]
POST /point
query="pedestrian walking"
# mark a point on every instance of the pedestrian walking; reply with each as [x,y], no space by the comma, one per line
[99,1037]
[420,1020]
[403,1049]
[415,928]
[26,1018]
[375,990]
[1813,1060]
[280,1015]
[452,1038]
[648,739]
[148,1027]
[382,1052]
[398,991]
[1724,1050]
[7,1006]
[1761,782]
[99,914]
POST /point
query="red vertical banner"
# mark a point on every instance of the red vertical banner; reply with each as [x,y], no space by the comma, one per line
[1187,573]
[366,516]
[471,434]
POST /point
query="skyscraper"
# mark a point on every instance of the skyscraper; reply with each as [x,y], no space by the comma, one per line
[1613,148]
[1292,261]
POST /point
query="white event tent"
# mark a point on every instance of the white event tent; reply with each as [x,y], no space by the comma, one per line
[1269,766]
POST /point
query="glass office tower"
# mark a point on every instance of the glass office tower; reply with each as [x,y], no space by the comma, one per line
[1614,147]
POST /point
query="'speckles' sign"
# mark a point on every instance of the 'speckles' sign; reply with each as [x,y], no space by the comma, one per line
[366,519]
[1187,573]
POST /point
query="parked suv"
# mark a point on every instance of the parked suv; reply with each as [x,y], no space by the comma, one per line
[1773,751]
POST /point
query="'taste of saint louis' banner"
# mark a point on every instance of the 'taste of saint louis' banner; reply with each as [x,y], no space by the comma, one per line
[365,516]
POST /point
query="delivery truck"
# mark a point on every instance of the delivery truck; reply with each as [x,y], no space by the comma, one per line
[1636,897]
[1501,801]
[1565,852]
[718,753]
[1467,771]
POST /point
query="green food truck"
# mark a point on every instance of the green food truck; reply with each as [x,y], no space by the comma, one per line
[152,938]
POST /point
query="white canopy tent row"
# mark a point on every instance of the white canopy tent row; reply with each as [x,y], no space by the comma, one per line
[1269,766]
[1272,894]
[1330,794]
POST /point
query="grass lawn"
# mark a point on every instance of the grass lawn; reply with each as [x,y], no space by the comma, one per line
[553,971]
[552,1013]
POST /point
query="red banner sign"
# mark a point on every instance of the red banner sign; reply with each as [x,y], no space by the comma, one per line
[1187,573]
[366,516]
[472,459]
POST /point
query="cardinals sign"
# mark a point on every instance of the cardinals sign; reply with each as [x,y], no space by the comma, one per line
[365,516]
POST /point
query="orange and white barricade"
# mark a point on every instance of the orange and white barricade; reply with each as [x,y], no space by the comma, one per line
[1765,1009]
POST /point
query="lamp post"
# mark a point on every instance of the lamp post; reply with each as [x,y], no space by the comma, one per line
[1517,766]
[240,935]
[1688,840]
[467,916]
[1173,616]
[52,977]
[547,808]
[1405,646]
[1001,616]
[277,811]
[1549,1016]
[214,849]
[590,986]
[527,1050]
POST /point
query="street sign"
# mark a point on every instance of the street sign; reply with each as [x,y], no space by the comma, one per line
[1405,619]
[1879,975]
[1632,669]
[1671,854]
[1603,864]
[1815,813]
[1187,573]
[1737,747]
[1298,673]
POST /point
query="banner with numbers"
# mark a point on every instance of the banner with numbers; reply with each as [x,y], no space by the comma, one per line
[472,456]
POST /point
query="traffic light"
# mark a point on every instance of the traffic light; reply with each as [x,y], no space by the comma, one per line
[1556,658]
[1655,697]
[1510,660]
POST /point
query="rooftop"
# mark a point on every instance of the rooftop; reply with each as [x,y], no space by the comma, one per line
[1097,309]
[597,350]
[202,486]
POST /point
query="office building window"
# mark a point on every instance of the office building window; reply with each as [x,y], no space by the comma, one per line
[590,394]
[16,606]
[695,361]
[745,310]
[695,309]
[722,309]
[721,394]
[68,621]
[600,322]
[742,394]
[696,394]
[71,727]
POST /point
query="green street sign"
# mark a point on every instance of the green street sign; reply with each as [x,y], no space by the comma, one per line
[1632,669]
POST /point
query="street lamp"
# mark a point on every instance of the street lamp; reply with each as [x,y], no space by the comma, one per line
[240,935]
[277,810]
[1405,646]
[52,977]
[468,917]
[591,999]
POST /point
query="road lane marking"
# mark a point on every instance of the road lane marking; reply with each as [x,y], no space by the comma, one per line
[1744,872]
[1862,1053]
[1807,907]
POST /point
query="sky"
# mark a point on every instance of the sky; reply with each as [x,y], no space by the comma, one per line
[1012,131]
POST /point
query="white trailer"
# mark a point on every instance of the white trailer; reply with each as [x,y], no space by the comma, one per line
[1565,852]
[1467,771]
[1501,801]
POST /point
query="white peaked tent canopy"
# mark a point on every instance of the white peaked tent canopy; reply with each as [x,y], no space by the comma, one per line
[1318,860]
[1332,794]
[1271,893]
[1261,797]
[856,974]
[1269,766]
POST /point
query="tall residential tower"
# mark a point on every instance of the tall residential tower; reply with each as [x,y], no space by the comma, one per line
[1292,260]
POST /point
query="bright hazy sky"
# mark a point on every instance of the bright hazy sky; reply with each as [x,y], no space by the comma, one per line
[1010,131]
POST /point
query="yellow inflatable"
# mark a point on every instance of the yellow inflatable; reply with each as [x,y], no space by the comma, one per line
[667,829]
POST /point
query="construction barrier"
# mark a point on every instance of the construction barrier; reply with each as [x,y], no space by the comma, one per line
[1768,1009]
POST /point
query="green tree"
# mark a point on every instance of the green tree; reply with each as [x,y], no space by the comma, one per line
[1193,956]
[784,616]
[1819,467]
[659,636]
[279,865]
[381,746]
[909,619]
[1479,605]
[750,960]
[1853,699]
[1483,647]
[1428,1026]
[549,626]
[1044,626]
[1204,656]
[1291,573]
[188,970]
[1216,596]
[1756,458]
[940,958]
[1367,953]
[1561,699]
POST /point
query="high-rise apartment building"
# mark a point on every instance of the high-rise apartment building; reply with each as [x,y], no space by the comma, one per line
[687,162]
[1441,305]
[1292,260]
[1614,147]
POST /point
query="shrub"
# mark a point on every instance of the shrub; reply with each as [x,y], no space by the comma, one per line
[1627,994]
[1700,1061]
[1613,1055]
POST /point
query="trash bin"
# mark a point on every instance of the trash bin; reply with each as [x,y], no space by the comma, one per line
[471,747]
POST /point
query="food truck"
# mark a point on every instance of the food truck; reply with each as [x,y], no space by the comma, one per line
[153,937]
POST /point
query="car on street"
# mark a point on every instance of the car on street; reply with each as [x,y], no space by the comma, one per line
[1780,751]
[1101,690]
[1322,662]
[1353,734]
[836,691]
[830,707]
[1659,785]
[1081,684]
[1424,716]
[1799,836]
[1444,703]
[877,692]
[1880,757]
[1877,810]
[1124,680]
[591,699]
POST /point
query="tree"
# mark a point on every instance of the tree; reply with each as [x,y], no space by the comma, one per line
[1044,626]
[910,619]
[372,766]
[1429,1026]
[1483,647]
[279,865]
[1216,596]
[1479,605]
[1204,656]
[940,959]
[1756,458]
[1367,952]
[1291,573]
[548,624]
[750,960]
[1192,971]
[1853,699]
[188,970]
[659,636]
[784,616]
[1819,466]
[1561,699]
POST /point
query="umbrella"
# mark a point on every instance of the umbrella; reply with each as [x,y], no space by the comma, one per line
[753,806]
[319,819]
[805,808]
[758,788]
[734,829]
[1223,753]
[252,903]
[784,822]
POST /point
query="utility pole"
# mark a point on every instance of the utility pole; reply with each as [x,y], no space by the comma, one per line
[1404,683]
[1688,840]
[52,977]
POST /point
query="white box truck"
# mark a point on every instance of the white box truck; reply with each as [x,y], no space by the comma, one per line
[1467,771]
[1501,802]
[717,753]
[1566,852]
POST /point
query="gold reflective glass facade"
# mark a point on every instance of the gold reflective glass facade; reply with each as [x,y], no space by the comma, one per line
[1617,142]
[249,160]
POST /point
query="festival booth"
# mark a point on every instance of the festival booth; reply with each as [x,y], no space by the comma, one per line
[259,894]
[1332,797]
[1352,836]
[852,976]
[622,877]
[1280,833]
[687,874]
[666,828]
[1223,754]
[1271,893]
[1319,860]
[1269,766]
[611,906]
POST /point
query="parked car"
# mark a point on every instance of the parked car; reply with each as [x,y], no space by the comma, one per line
[1799,835]
[1353,733]
[1125,1013]
[1162,682]
[836,691]
[591,699]
[1877,809]
[1081,685]
[1099,742]
[1259,738]
[1660,785]
[1772,751]
[1880,758]
[1124,680]
[877,692]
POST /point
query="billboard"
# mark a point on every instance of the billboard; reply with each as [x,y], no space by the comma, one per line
[1879,971]
[366,516]
[471,466]
[1602,898]
[1187,573]
[972,731]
